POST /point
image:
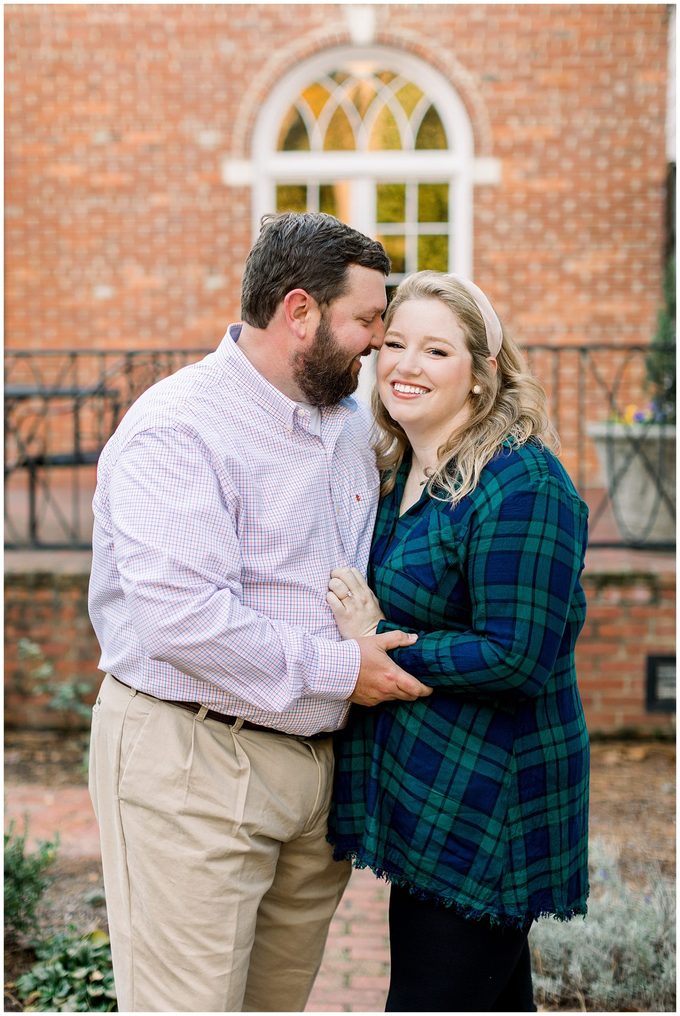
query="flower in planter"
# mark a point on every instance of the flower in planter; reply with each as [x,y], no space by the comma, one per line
[651,413]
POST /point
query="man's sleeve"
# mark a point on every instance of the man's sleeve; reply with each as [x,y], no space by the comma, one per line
[174,519]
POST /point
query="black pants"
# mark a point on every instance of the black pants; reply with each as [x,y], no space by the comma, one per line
[442,962]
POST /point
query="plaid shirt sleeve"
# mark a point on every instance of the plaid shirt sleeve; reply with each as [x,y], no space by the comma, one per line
[522,566]
[179,563]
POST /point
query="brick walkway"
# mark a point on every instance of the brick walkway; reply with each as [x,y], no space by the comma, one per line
[354,973]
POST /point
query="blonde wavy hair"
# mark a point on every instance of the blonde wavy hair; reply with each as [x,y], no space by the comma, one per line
[511,406]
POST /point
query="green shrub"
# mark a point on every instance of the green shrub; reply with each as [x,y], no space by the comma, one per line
[73,974]
[65,696]
[621,958]
[660,361]
[25,882]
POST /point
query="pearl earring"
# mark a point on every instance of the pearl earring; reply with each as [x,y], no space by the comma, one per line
[477,390]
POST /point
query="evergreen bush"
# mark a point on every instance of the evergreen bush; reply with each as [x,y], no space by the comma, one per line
[25,882]
[621,957]
[660,361]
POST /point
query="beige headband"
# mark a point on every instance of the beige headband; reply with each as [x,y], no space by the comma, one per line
[494,332]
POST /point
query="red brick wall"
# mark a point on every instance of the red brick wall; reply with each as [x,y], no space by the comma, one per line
[50,610]
[630,616]
[120,231]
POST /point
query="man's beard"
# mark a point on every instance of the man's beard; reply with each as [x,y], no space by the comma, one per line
[322,372]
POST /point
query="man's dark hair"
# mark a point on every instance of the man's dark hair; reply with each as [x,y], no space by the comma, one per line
[303,250]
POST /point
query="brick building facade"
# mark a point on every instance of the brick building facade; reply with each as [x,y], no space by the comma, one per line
[130,165]
[143,142]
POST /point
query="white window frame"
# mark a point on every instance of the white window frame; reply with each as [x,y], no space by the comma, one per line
[364,169]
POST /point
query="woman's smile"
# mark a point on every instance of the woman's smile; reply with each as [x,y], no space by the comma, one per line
[403,390]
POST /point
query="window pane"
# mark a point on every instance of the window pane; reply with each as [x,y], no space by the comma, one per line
[433,253]
[293,135]
[316,96]
[431,133]
[391,202]
[291,197]
[396,250]
[433,202]
[327,200]
[335,199]
[385,134]
[339,135]
[409,96]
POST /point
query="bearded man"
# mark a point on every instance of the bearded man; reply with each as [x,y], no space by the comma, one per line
[224,499]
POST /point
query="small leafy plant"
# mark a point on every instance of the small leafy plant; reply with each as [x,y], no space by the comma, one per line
[65,696]
[73,974]
[621,958]
[26,880]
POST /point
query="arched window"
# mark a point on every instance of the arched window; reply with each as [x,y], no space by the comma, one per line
[379,139]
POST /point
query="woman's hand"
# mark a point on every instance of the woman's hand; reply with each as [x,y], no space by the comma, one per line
[355,608]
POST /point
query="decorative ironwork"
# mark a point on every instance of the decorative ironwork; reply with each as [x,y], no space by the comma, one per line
[61,407]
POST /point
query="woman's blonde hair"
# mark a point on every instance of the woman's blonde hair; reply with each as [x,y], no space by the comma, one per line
[511,406]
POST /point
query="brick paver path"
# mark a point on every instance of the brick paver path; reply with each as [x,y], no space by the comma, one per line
[354,972]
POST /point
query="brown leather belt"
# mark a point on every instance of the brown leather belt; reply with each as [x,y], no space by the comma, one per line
[212,714]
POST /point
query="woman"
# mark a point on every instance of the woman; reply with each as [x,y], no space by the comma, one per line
[473,802]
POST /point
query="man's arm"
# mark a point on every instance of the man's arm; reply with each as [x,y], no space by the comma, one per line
[179,560]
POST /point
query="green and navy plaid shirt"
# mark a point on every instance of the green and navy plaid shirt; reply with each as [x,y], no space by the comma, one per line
[477,796]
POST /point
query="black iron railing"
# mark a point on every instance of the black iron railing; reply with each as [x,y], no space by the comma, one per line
[61,407]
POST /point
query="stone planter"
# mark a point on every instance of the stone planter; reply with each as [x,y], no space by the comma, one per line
[638,466]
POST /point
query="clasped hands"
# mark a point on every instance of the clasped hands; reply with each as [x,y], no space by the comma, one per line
[357,611]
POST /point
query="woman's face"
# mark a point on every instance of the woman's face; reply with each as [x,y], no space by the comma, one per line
[424,370]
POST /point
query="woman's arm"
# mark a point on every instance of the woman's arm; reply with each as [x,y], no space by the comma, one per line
[522,568]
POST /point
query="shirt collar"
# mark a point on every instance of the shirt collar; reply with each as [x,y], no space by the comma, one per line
[278,405]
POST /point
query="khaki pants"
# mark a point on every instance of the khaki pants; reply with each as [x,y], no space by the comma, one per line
[220,884]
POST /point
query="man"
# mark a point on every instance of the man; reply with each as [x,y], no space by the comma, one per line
[226,496]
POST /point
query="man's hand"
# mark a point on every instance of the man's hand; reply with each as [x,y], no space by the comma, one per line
[379,678]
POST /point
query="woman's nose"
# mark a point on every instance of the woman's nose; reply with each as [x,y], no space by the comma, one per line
[409,362]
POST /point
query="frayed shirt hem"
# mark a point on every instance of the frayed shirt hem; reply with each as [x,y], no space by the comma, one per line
[468,910]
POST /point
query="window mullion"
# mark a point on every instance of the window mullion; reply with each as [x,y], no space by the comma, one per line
[411,226]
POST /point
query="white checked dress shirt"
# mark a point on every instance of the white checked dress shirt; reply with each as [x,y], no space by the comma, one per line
[218,517]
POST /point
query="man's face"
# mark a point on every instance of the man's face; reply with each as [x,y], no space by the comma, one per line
[351,327]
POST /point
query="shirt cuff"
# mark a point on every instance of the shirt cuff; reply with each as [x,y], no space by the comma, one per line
[336,671]
[384,625]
